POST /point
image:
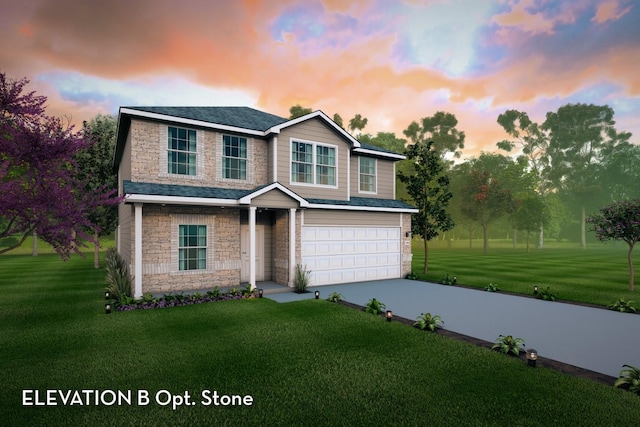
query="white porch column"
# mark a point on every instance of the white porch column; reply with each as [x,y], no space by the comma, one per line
[138,251]
[292,244]
[252,246]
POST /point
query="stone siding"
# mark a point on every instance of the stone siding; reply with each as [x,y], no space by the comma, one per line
[406,244]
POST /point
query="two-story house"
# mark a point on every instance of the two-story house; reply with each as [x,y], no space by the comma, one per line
[218,196]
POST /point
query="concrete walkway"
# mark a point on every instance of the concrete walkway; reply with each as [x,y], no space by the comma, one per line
[596,339]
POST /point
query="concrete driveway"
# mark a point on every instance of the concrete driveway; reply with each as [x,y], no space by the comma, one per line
[596,339]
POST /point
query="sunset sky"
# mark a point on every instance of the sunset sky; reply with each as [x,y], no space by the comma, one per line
[391,61]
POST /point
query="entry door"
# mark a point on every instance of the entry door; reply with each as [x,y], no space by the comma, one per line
[244,253]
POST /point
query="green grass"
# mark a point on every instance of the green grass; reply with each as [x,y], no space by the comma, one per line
[304,363]
[597,275]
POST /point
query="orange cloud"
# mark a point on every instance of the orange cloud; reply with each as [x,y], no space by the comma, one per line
[609,11]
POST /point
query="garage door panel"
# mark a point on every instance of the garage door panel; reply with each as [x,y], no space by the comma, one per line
[347,254]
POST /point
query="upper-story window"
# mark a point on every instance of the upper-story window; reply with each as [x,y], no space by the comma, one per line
[313,163]
[234,157]
[182,151]
[367,175]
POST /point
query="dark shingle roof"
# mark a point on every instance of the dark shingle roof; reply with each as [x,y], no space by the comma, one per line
[182,190]
[376,148]
[369,202]
[233,194]
[241,117]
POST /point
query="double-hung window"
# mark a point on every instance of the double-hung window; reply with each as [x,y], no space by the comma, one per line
[192,247]
[182,153]
[367,175]
[313,163]
[234,157]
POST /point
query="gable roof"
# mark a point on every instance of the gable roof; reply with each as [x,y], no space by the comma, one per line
[234,119]
[239,117]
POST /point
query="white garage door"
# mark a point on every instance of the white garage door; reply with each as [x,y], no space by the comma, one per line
[351,254]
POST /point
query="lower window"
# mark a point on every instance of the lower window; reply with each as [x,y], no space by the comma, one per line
[192,247]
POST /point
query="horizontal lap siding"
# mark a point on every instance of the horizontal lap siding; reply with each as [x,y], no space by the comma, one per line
[385,179]
[314,131]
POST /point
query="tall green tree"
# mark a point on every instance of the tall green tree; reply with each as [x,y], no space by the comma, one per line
[94,167]
[579,135]
[441,129]
[429,189]
[619,221]
[532,142]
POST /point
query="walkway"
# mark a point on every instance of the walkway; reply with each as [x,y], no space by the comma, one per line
[596,339]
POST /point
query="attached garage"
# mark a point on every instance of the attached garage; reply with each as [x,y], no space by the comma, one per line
[342,254]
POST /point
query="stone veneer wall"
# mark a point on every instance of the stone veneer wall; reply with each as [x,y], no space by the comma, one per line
[159,229]
[407,256]
[281,257]
[149,164]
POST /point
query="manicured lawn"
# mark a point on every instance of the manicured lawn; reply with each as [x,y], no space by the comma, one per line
[303,363]
[597,275]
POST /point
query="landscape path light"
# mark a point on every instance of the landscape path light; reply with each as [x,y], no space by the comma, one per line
[389,315]
[535,290]
[107,295]
[532,357]
[260,293]
[107,308]
[317,294]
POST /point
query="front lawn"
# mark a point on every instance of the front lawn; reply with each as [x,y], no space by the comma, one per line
[303,363]
[597,275]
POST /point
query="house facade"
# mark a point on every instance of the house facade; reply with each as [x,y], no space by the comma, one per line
[219,196]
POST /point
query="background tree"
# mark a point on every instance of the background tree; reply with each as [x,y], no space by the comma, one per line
[531,214]
[441,129]
[298,111]
[429,188]
[484,200]
[39,191]
[338,119]
[533,142]
[619,221]
[357,123]
[95,169]
[579,134]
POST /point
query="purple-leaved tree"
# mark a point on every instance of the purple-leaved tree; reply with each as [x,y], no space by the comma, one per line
[39,190]
[619,221]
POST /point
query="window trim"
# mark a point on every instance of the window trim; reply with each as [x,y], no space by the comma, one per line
[187,248]
[314,163]
[163,170]
[186,219]
[375,175]
[246,158]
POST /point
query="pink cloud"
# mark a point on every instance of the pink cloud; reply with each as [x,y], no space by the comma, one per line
[609,11]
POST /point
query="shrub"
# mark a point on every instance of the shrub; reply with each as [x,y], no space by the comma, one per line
[335,297]
[427,322]
[412,276]
[547,295]
[302,278]
[449,280]
[508,345]
[374,306]
[247,292]
[622,306]
[492,288]
[118,277]
[629,379]
[215,292]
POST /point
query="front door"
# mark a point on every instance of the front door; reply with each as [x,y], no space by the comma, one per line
[244,253]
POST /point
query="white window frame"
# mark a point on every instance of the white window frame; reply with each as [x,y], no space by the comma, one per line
[314,163]
[375,175]
[164,153]
[184,219]
[245,159]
